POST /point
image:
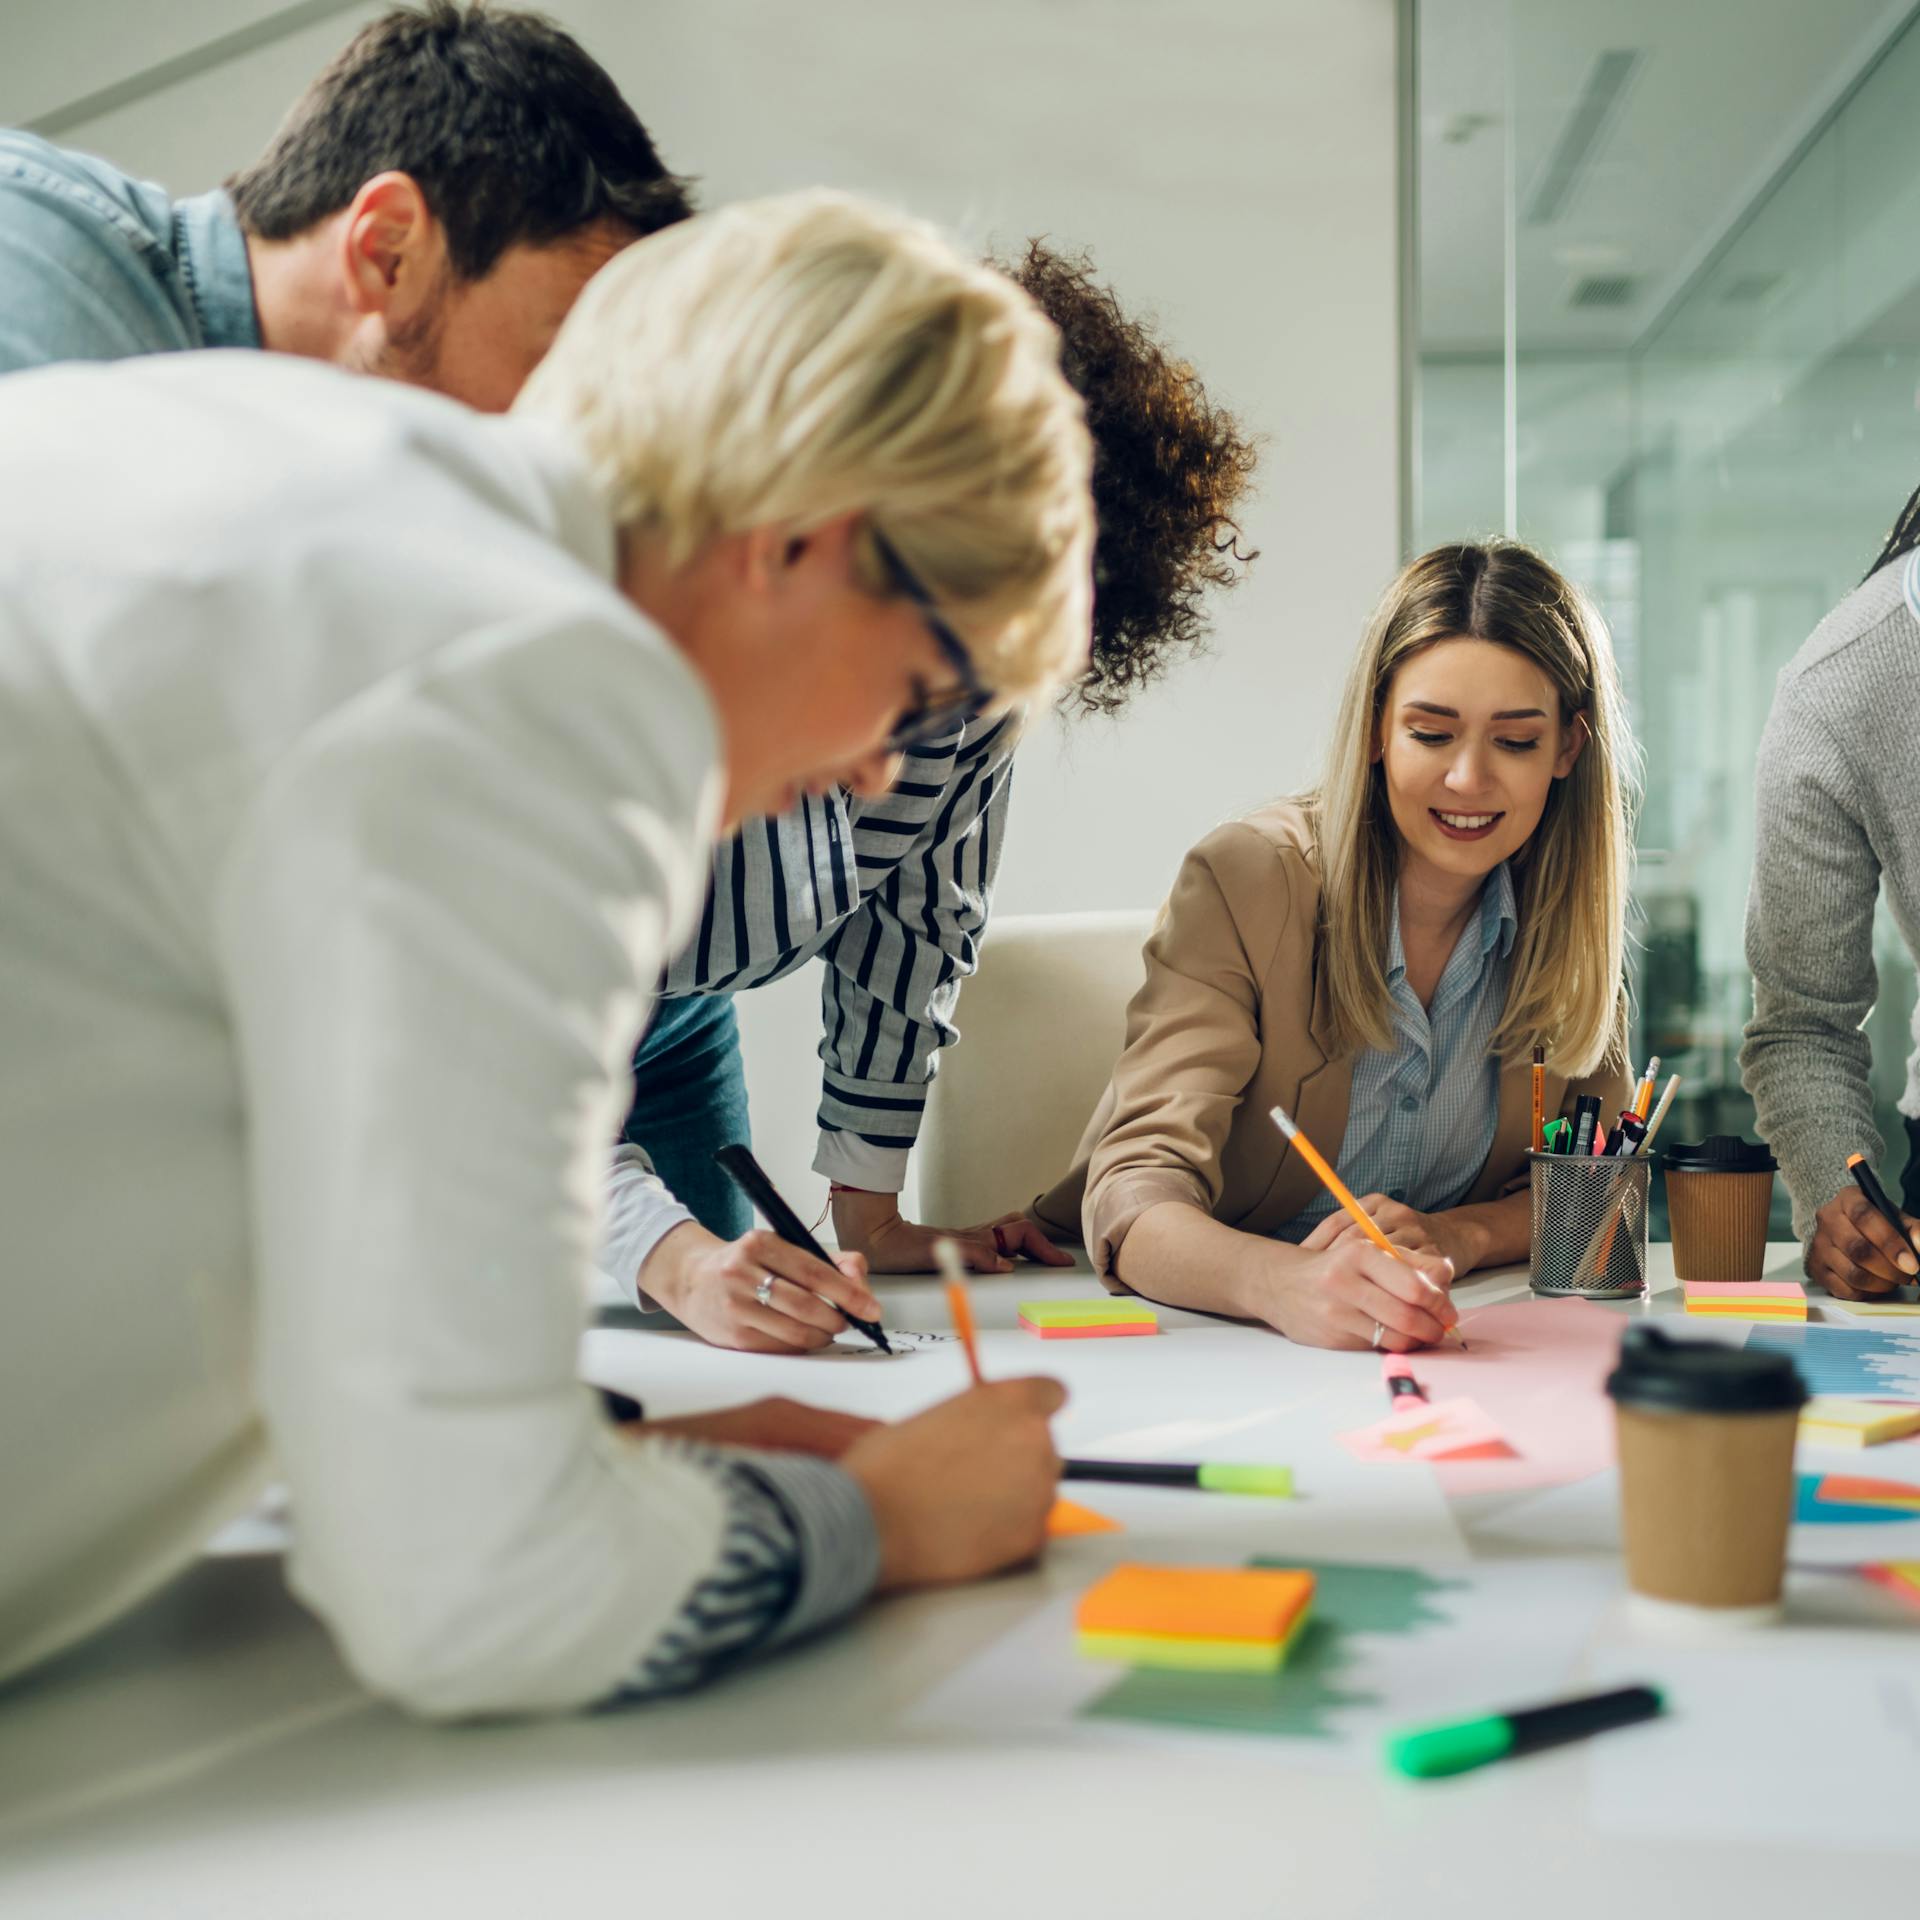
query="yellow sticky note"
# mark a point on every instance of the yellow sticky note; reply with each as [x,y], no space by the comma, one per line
[1855,1423]
[1192,1653]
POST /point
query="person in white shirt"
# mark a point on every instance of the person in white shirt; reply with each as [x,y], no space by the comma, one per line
[361,759]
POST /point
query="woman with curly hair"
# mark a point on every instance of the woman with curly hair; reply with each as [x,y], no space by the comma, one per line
[893,892]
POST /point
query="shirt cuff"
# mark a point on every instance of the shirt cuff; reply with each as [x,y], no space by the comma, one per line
[641,1212]
[854,1162]
[834,1527]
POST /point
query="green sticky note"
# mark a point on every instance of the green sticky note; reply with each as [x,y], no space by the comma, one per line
[1086,1313]
[1275,1482]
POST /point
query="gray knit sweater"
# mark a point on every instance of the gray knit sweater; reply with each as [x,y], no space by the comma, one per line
[1837,802]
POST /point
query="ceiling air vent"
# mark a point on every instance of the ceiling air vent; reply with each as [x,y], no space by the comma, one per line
[1580,138]
[1603,290]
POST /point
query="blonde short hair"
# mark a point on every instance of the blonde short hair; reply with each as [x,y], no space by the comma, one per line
[1565,989]
[791,360]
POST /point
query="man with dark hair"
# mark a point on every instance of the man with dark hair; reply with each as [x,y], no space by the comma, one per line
[429,211]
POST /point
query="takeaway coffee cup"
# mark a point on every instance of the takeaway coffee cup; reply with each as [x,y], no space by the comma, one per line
[1718,1197]
[1706,1474]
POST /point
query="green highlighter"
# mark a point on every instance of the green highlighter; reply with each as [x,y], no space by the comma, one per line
[1426,1753]
[1275,1483]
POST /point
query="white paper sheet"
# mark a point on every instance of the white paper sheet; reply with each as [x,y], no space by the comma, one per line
[1782,1737]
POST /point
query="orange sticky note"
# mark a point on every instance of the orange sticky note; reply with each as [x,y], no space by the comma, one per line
[1901,1576]
[1070,1517]
[1222,1603]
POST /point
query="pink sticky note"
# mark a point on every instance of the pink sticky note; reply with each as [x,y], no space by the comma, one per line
[1539,1368]
[1446,1430]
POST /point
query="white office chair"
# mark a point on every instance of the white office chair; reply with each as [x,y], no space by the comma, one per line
[1041,1025]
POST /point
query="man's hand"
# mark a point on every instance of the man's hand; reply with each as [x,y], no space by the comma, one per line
[1445,1234]
[870,1223]
[1350,1294]
[711,1285]
[1854,1254]
[963,1489]
[776,1425]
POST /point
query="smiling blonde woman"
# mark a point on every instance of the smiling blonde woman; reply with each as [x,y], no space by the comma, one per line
[1380,956]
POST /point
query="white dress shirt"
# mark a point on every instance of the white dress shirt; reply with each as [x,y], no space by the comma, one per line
[348,815]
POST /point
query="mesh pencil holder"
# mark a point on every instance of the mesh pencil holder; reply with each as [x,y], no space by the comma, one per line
[1589,1225]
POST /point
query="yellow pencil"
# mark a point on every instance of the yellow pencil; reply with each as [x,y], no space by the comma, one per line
[947,1257]
[1338,1188]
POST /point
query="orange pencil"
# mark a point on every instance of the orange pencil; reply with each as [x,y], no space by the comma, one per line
[947,1257]
[1338,1188]
[1539,1139]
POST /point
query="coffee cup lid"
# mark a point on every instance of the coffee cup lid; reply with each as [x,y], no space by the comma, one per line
[1721,1153]
[1700,1376]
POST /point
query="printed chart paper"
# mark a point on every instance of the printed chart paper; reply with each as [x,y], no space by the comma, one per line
[1849,1363]
[1385,1646]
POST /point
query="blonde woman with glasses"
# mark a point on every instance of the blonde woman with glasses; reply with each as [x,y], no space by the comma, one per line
[363,783]
[1380,957]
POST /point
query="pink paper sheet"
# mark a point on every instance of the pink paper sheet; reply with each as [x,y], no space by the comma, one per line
[1538,1368]
[1416,1430]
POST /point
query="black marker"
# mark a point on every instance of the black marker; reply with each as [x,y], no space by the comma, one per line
[1864,1178]
[746,1173]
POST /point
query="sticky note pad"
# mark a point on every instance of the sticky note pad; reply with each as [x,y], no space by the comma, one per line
[1899,1576]
[1856,1423]
[1087,1319]
[1747,1299]
[1191,1653]
[1206,1603]
[1069,1517]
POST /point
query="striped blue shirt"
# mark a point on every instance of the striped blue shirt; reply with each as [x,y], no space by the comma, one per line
[800,1551]
[1421,1117]
[894,893]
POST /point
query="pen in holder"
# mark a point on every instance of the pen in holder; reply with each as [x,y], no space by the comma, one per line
[1589,1225]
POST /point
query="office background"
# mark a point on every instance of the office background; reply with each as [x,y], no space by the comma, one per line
[1635,281]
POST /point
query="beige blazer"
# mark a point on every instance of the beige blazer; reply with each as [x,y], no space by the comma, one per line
[1232,1020]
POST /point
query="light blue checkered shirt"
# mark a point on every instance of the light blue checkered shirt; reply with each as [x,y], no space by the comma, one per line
[1421,1117]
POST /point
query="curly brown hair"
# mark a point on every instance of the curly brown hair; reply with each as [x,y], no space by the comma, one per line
[1169,468]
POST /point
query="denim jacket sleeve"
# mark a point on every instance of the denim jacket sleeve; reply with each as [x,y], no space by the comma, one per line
[88,266]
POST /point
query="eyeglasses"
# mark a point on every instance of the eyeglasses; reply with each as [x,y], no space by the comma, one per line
[930,719]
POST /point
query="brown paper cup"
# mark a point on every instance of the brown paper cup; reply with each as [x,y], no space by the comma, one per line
[1719,1223]
[1705,1499]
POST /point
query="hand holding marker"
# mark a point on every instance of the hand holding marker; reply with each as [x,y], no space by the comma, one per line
[1208,1476]
[746,1173]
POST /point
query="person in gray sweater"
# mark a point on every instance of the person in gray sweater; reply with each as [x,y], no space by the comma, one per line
[1838,817]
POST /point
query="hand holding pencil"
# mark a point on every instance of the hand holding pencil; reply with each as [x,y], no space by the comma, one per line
[1396,1304]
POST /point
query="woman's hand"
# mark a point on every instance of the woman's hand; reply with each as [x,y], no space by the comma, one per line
[1350,1294]
[870,1223]
[715,1287]
[1454,1239]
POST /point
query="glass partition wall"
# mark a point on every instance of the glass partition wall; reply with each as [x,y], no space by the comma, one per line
[1668,298]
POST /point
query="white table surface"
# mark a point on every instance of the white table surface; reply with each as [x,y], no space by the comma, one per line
[210,1756]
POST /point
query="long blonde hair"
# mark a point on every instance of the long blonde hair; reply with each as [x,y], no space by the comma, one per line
[791,360]
[1565,983]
